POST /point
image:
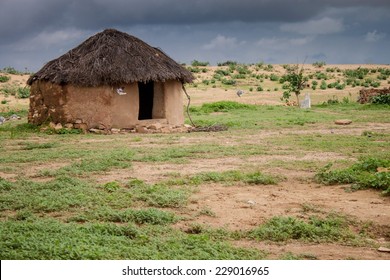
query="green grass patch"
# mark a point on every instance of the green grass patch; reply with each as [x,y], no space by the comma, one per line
[329,229]
[159,195]
[5,185]
[62,193]
[139,216]
[225,177]
[366,173]
[104,161]
[50,239]
[221,106]
[250,178]
[32,145]
[245,116]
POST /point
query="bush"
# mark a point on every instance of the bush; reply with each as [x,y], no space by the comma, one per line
[228,82]
[11,70]
[4,79]
[227,63]
[319,64]
[222,72]
[23,92]
[366,173]
[194,69]
[274,77]
[279,228]
[381,99]
[196,63]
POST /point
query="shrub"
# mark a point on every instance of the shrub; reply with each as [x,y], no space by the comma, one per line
[319,64]
[4,79]
[330,228]
[194,69]
[274,77]
[196,63]
[222,72]
[381,99]
[227,63]
[11,70]
[358,73]
[321,76]
[228,82]
[23,92]
[269,67]
[366,173]
[111,186]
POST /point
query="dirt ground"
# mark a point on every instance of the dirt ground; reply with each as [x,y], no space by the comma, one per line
[236,207]
[243,207]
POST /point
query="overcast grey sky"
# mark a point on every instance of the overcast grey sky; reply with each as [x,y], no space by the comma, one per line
[33,32]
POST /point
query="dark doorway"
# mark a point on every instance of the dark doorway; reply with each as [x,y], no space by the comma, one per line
[146,95]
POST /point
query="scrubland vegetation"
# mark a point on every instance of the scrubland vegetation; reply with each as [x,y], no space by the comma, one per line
[279,175]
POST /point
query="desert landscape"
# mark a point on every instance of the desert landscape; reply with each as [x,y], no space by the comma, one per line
[278,182]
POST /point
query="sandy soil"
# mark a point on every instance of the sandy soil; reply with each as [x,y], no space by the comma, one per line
[244,207]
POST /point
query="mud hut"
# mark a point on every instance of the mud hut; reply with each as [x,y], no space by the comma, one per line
[111,80]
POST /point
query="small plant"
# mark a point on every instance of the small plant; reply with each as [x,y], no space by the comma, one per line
[228,82]
[330,228]
[196,63]
[227,63]
[259,88]
[381,99]
[194,69]
[4,79]
[269,67]
[23,92]
[5,185]
[319,64]
[11,70]
[323,85]
[274,77]
[366,173]
[111,186]
[152,216]
[207,212]
[24,215]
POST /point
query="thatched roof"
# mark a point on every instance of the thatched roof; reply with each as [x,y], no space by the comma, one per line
[112,57]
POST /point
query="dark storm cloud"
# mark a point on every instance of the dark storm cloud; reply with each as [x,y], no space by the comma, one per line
[35,31]
[19,17]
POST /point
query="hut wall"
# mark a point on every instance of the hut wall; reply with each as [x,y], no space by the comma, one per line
[103,106]
[173,102]
[47,103]
[158,101]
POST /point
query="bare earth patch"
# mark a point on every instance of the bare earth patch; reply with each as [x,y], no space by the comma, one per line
[244,207]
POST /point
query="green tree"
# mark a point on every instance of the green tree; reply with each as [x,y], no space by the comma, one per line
[295,82]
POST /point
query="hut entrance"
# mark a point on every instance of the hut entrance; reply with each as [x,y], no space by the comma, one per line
[146,96]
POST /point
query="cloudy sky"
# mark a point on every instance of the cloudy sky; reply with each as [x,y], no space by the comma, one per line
[32,32]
